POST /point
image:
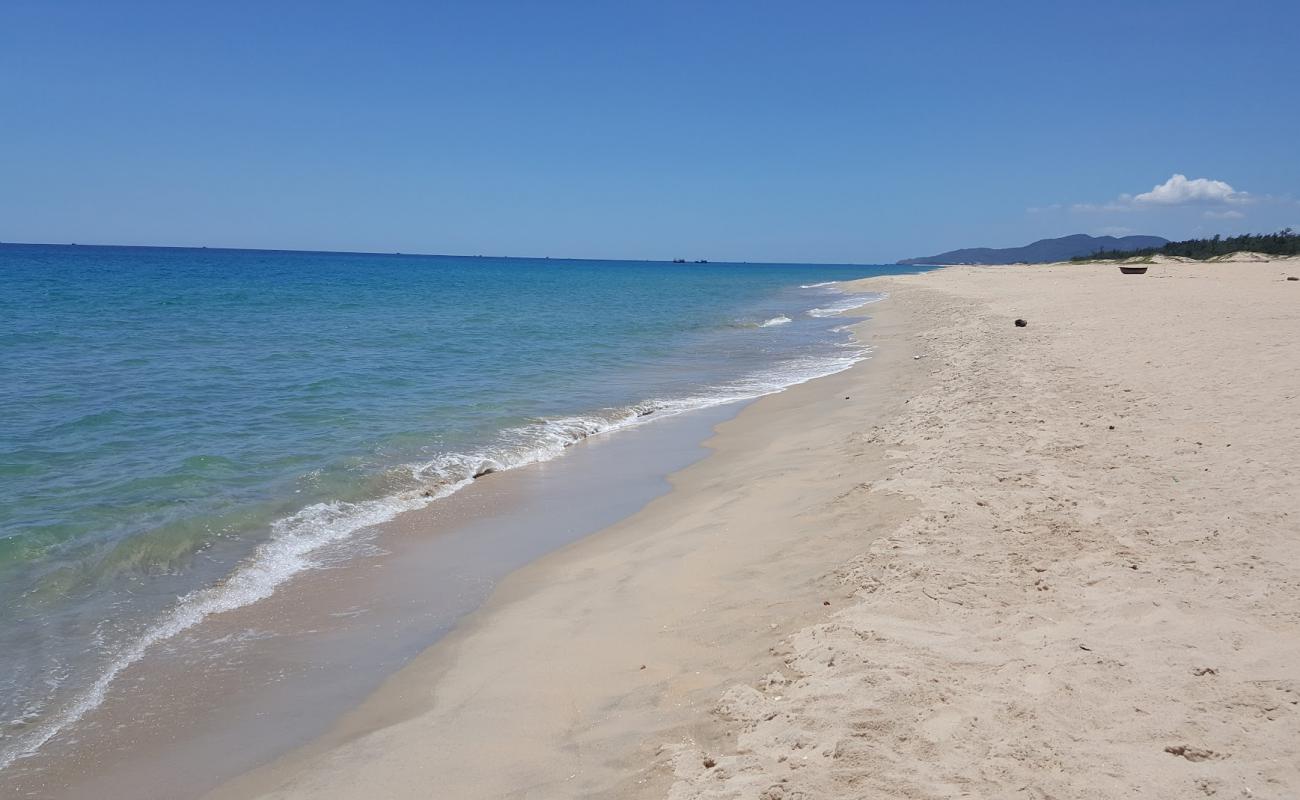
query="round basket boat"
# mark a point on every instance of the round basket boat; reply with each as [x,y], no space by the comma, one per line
[1133,270]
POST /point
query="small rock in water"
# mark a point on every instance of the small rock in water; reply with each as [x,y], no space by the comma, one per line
[709,763]
[1020,323]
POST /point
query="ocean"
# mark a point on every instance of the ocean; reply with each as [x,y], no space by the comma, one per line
[182,431]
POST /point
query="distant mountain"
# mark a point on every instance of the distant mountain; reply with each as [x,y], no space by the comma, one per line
[1042,251]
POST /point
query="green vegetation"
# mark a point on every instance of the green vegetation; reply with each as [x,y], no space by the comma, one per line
[1285,242]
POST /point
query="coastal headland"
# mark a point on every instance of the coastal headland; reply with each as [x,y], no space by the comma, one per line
[1058,560]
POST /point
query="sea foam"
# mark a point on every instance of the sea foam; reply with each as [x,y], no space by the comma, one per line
[848,303]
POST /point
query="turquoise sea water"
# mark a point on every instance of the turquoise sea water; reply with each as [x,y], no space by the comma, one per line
[182,430]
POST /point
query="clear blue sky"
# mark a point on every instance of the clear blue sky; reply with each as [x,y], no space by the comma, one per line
[805,131]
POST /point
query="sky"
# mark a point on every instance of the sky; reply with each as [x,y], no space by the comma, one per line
[858,132]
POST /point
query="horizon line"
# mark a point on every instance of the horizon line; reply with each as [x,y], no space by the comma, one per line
[400,254]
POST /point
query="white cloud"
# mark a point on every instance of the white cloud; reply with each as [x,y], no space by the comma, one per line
[1229,214]
[1179,191]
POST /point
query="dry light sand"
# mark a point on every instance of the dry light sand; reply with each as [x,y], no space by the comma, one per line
[1059,561]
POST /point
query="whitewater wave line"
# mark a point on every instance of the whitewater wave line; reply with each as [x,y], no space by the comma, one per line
[847,304]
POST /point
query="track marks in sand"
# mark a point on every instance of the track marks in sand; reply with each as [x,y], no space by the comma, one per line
[1079,610]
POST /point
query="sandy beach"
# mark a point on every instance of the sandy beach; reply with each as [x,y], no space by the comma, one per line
[1059,560]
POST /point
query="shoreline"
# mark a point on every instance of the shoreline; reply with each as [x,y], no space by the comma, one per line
[1027,558]
[392,705]
[167,528]
[269,676]
[257,578]
[240,648]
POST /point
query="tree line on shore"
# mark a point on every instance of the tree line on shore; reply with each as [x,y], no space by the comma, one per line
[1285,242]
